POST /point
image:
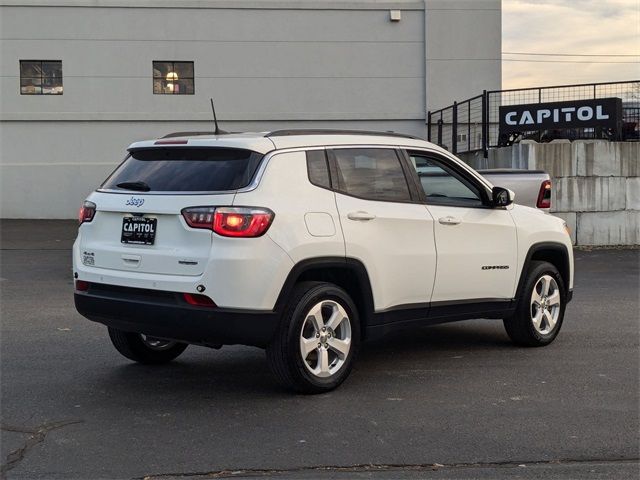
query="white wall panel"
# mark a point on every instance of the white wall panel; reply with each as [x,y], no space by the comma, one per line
[268,64]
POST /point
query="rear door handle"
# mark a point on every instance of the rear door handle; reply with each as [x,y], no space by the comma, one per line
[360,216]
[449,220]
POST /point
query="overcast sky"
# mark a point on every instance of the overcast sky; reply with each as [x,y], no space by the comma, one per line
[603,27]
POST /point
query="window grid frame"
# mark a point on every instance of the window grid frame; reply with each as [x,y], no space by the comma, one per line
[173,62]
[41,77]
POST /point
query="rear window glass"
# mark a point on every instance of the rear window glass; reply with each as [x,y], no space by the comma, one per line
[178,169]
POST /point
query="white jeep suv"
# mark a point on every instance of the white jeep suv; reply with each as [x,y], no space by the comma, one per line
[306,243]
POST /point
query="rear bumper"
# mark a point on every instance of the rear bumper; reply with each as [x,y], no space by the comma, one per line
[167,315]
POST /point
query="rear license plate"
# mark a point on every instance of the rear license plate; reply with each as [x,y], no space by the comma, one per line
[138,230]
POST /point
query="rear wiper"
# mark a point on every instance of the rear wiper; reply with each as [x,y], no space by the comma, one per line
[140,186]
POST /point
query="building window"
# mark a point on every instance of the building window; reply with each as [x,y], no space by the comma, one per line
[41,77]
[171,78]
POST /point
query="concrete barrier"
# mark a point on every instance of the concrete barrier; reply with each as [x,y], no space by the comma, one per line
[596,184]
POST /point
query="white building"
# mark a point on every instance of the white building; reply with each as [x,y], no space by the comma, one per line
[80,80]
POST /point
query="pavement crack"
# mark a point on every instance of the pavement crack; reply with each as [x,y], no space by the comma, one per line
[15,429]
[36,435]
[370,467]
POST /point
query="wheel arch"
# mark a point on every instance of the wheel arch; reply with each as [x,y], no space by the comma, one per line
[553,252]
[349,274]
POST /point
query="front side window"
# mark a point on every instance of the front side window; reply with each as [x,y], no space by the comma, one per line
[442,186]
[173,78]
[40,77]
[372,174]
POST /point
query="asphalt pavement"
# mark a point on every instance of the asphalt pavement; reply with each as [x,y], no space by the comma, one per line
[450,401]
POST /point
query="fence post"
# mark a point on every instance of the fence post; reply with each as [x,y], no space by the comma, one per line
[454,129]
[428,126]
[468,126]
[485,124]
[440,130]
[540,101]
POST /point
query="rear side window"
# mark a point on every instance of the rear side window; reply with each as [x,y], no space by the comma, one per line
[372,174]
[178,169]
[318,168]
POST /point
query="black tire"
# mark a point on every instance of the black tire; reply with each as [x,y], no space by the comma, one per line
[284,354]
[132,346]
[520,326]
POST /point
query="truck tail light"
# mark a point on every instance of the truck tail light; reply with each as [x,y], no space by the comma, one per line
[544,196]
[244,222]
[87,212]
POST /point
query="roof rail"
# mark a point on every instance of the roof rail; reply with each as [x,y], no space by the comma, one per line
[186,134]
[322,131]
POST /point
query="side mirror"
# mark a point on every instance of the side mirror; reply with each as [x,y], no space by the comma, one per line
[501,197]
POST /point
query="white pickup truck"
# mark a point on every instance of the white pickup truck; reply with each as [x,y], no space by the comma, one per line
[532,188]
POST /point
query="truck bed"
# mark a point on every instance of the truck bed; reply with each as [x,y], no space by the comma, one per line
[525,183]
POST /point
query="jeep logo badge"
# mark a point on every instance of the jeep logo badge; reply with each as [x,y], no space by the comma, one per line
[135,202]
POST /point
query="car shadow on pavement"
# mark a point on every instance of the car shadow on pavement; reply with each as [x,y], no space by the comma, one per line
[471,334]
[203,373]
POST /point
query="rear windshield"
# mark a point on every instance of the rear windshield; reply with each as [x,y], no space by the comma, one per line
[181,169]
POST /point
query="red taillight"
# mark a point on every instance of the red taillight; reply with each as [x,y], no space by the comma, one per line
[87,211]
[199,217]
[198,300]
[544,196]
[230,221]
[82,286]
[242,222]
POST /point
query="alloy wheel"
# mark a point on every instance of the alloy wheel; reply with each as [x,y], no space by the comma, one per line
[325,338]
[545,304]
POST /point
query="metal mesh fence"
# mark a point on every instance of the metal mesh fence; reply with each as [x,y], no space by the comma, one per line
[473,124]
[459,126]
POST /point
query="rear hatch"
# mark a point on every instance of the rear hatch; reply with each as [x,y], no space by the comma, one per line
[138,225]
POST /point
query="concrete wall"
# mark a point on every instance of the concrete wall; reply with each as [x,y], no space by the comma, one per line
[268,64]
[596,185]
